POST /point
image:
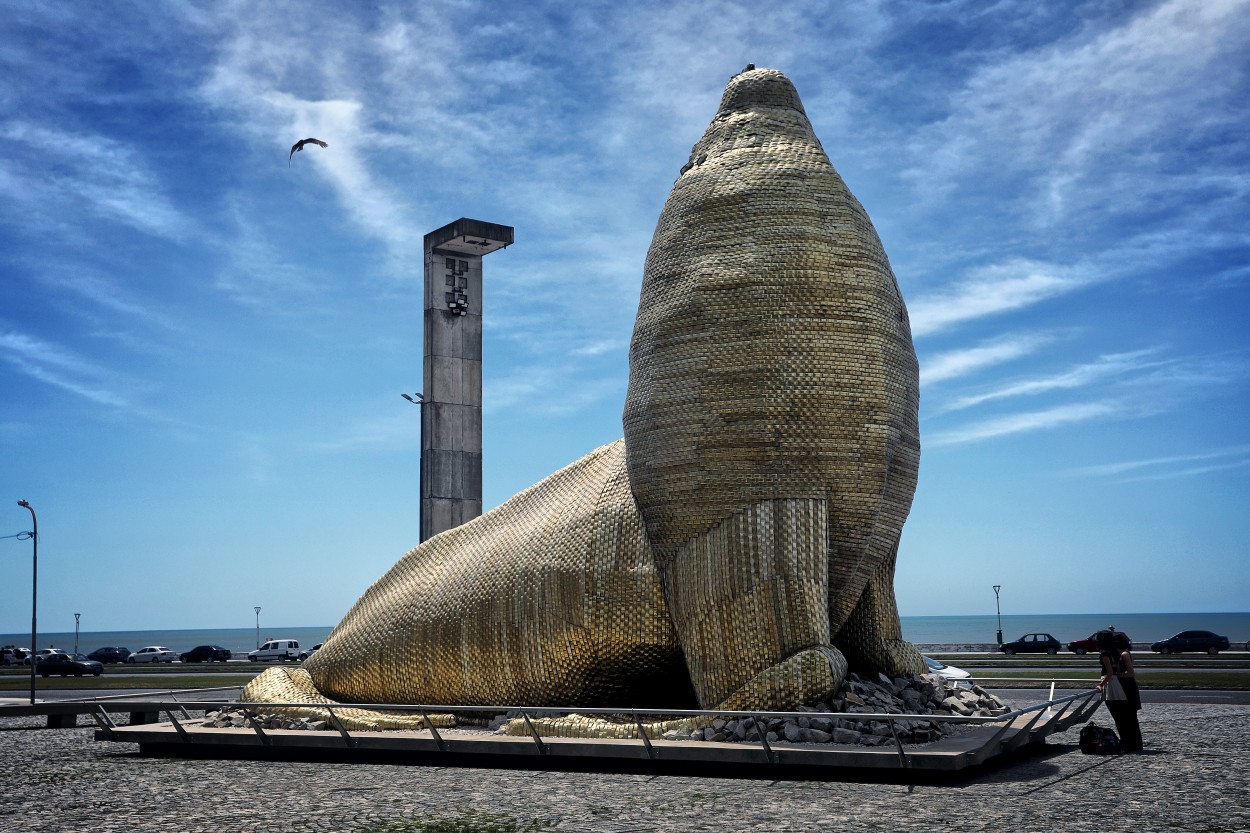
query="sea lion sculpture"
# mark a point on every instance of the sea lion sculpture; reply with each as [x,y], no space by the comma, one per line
[737,548]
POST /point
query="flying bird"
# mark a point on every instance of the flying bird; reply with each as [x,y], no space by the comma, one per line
[298,146]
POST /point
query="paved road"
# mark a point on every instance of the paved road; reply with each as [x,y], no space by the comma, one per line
[1191,777]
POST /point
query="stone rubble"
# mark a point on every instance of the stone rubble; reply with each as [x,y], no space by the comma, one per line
[917,696]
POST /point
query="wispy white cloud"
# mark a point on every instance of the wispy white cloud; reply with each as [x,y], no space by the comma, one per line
[266,83]
[1104,367]
[368,200]
[956,363]
[65,369]
[1240,453]
[599,347]
[1193,471]
[1050,418]
[256,272]
[103,293]
[992,290]
[1083,118]
[55,366]
[549,391]
[61,174]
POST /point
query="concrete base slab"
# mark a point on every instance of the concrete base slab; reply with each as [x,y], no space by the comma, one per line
[972,747]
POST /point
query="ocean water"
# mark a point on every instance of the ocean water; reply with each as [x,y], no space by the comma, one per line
[1142,628]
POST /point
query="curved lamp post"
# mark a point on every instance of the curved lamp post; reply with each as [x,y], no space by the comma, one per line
[998,587]
[34,589]
[419,399]
[258,628]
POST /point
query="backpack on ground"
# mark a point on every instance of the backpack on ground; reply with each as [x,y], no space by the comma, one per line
[1095,740]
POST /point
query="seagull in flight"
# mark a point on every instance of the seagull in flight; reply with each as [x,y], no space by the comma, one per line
[298,146]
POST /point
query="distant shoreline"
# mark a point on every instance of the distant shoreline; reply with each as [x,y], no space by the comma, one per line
[932,633]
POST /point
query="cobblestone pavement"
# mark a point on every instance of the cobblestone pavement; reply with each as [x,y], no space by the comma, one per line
[1192,777]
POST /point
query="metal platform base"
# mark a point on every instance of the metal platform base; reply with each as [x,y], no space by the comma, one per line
[973,746]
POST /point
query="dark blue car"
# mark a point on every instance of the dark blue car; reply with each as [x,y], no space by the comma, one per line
[66,664]
[111,654]
[1032,643]
[1191,641]
[205,653]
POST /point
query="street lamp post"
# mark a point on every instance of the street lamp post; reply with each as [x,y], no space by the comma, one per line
[258,628]
[419,399]
[76,618]
[997,608]
[34,592]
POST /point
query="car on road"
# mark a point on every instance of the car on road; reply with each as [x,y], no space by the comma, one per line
[1191,641]
[205,653]
[1085,646]
[111,654]
[66,664]
[308,652]
[152,653]
[1032,643]
[13,655]
[276,649]
[958,676]
[41,653]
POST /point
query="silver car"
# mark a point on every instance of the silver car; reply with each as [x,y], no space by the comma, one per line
[152,653]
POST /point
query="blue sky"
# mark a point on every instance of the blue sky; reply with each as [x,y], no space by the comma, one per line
[202,349]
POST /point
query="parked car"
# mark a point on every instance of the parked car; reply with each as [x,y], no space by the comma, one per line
[1032,643]
[66,664]
[1084,646]
[205,653]
[1191,641]
[958,676]
[152,653]
[41,653]
[110,655]
[13,655]
[276,649]
[308,652]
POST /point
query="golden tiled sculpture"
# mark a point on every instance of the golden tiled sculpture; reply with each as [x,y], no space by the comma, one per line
[737,548]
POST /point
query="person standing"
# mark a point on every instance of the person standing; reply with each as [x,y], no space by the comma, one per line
[1116,659]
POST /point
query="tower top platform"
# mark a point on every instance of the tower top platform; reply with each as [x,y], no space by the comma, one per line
[469,237]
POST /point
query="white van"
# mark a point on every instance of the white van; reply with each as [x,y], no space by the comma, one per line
[276,649]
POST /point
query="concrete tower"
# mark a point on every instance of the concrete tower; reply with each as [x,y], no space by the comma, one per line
[451,416]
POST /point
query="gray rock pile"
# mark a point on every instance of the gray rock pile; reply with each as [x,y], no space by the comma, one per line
[911,697]
[229,718]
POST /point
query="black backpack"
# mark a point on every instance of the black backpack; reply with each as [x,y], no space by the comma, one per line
[1096,740]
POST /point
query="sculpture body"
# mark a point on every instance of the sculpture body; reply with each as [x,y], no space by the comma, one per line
[738,547]
[771,419]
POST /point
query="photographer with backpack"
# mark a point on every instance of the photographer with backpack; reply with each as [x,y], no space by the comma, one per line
[1119,687]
